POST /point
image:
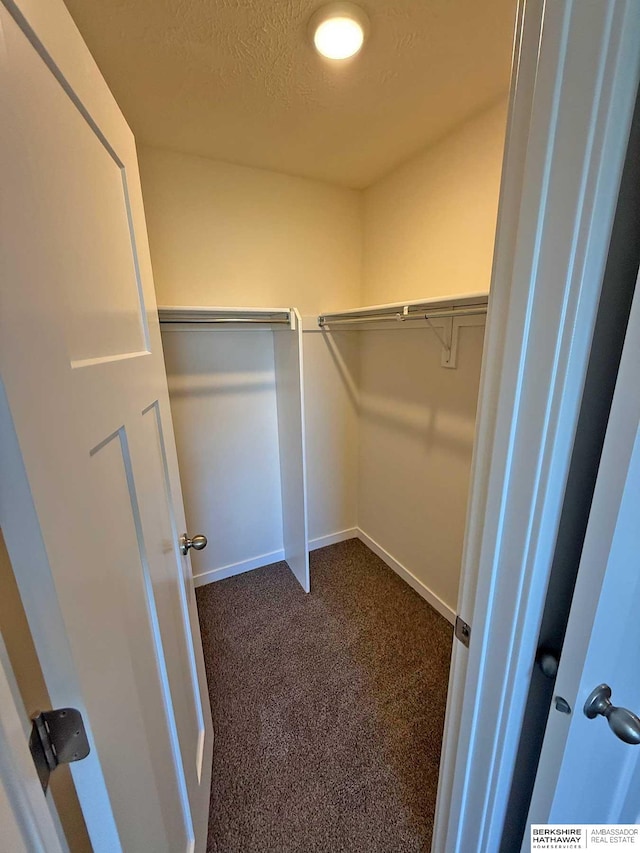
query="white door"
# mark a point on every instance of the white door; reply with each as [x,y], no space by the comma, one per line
[586,773]
[26,825]
[91,506]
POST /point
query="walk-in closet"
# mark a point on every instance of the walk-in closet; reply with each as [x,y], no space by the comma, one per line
[325,450]
[357,668]
[321,236]
[406,375]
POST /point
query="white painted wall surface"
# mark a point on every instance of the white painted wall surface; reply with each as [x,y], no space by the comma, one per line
[228,235]
[223,404]
[428,231]
[331,371]
[417,425]
[429,226]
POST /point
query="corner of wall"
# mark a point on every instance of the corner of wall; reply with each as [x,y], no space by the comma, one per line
[429,225]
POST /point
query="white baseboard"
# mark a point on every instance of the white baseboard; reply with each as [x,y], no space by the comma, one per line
[333,538]
[243,566]
[422,590]
[232,569]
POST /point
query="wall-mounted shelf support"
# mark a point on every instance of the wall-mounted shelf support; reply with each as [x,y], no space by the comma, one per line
[443,316]
[445,339]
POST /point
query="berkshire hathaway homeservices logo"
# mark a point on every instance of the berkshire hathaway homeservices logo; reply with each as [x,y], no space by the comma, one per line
[585,837]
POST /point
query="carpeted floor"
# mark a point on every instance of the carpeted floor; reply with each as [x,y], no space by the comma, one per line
[327,708]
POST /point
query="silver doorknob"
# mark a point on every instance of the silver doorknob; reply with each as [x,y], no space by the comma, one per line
[623,723]
[197,543]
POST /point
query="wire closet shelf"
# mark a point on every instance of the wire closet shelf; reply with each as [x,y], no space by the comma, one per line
[205,317]
[407,311]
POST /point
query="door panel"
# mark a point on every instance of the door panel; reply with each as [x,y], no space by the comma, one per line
[131,665]
[95,265]
[171,591]
[85,383]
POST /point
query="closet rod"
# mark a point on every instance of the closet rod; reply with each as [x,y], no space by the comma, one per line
[206,321]
[415,314]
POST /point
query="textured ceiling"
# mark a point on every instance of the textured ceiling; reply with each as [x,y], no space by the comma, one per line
[237,80]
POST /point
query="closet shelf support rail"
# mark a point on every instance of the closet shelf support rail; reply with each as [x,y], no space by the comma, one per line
[209,320]
[210,316]
[412,312]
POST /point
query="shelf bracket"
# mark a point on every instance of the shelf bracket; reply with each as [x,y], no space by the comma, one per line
[449,340]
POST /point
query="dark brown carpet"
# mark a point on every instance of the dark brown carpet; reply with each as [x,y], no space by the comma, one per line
[327,708]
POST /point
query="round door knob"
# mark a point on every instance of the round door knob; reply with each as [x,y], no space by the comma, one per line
[548,663]
[197,543]
[623,723]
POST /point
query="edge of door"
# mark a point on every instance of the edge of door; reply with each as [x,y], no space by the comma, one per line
[528,406]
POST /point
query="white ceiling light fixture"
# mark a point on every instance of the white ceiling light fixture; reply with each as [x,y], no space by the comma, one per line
[338,30]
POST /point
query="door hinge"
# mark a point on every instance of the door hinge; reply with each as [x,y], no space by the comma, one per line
[463,631]
[57,737]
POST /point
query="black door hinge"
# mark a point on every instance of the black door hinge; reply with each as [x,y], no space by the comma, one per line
[57,737]
[463,631]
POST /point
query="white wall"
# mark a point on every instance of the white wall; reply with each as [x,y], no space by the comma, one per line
[228,235]
[416,435]
[332,425]
[428,231]
[429,226]
[223,405]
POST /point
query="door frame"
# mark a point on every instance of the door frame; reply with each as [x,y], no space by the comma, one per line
[576,67]
[23,808]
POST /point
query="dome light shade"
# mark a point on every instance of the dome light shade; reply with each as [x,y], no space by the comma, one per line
[339,30]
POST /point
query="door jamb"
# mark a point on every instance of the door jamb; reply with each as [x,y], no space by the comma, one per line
[575,74]
[34,814]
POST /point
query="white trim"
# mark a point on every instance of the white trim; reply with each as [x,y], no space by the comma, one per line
[239,568]
[407,576]
[333,538]
[166,311]
[288,353]
[523,76]
[575,81]
[25,812]
[213,575]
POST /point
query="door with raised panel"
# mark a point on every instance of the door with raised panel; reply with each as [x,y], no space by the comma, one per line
[91,505]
